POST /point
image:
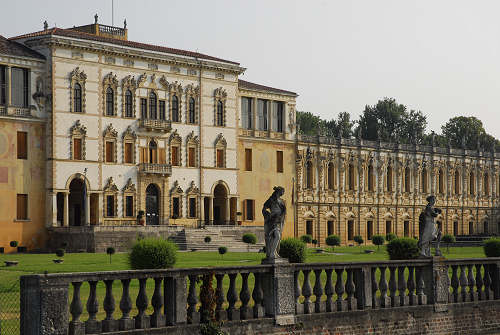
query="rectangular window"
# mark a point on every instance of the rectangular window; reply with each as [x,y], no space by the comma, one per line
[309,227]
[109,151]
[406,228]
[175,207]
[329,228]
[350,230]
[248,159]
[3,86]
[19,87]
[279,161]
[471,228]
[220,158]
[129,205]
[369,230]
[191,157]
[162,109]
[277,116]
[192,207]
[77,148]
[262,114]
[22,145]
[455,228]
[128,153]
[110,205]
[249,210]
[246,113]
[144,108]
[22,207]
[388,227]
[175,156]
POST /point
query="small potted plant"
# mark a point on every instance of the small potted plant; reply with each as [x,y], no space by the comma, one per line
[59,253]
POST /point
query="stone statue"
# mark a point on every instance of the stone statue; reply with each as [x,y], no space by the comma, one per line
[428,230]
[274,211]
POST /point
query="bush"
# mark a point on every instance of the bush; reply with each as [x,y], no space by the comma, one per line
[153,253]
[306,238]
[293,249]
[14,244]
[60,252]
[402,248]
[207,239]
[110,251]
[249,238]
[378,240]
[447,238]
[64,245]
[222,251]
[492,247]
[358,239]
[314,241]
[389,237]
[333,241]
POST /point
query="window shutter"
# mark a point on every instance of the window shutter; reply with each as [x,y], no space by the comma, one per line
[248,159]
[279,161]
[162,156]
[77,148]
[244,205]
[22,206]
[109,152]
[22,145]
[128,153]
[175,156]
[142,155]
[253,210]
[191,158]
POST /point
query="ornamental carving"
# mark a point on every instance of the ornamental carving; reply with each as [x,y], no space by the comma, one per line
[176,189]
[175,88]
[164,82]
[78,128]
[192,189]
[220,141]
[142,79]
[129,133]
[110,186]
[110,131]
[129,187]
[78,75]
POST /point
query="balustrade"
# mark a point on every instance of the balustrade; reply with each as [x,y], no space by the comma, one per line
[470,281]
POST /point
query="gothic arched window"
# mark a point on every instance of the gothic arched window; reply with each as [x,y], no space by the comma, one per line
[109,101]
[191,110]
[220,114]
[78,98]
[175,109]
[152,105]
[128,104]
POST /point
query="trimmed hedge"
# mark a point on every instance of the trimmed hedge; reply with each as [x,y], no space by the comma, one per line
[403,248]
[249,238]
[293,249]
[389,237]
[358,239]
[222,250]
[491,247]
[378,240]
[60,252]
[153,253]
[332,240]
[207,239]
[13,244]
[306,238]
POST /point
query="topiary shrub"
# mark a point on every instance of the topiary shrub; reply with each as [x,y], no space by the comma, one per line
[358,239]
[222,251]
[60,252]
[207,239]
[314,241]
[491,247]
[110,251]
[14,244]
[306,238]
[333,241]
[153,253]
[389,237]
[378,240]
[448,239]
[293,249]
[403,248]
[249,238]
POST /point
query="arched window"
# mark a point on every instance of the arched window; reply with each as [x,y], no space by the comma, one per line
[309,174]
[424,180]
[220,114]
[389,179]
[407,180]
[109,101]
[371,183]
[152,105]
[440,181]
[330,173]
[78,98]
[175,109]
[153,152]
[191,110]
[128,104]
[486,184]
[471,183]
[350,176]
[457,182]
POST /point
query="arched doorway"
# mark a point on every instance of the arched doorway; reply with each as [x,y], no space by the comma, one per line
[76,203]
[152,205]
[220,204]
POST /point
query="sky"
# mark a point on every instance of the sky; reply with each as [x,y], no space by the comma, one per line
[439,57]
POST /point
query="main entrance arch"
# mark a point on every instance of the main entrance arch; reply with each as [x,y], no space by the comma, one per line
[76,203]
[220,204]
[152,205]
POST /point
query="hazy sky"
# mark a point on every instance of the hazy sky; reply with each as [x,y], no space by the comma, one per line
[440,57]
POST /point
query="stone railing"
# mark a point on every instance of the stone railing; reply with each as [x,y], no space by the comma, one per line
[155,125]
[163,169]
[284,292]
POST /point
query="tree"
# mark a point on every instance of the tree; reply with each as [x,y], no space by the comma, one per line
[448,239]
[207,239]
[389,237]
[222,251]
[309,124]
[358,239]
[110,251]
[378,240]
[332,241]
[249,238]
[468,132]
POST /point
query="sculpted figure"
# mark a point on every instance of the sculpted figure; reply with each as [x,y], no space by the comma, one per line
[274,211]
[428,229]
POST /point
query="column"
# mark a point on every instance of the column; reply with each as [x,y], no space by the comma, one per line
[202,211]
[228,206]
[8,87]
[254,114]
[99,209]
[87,209]
[211,209]
[66,209]
[54,210]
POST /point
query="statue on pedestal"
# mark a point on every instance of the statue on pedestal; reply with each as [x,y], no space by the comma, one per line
[274,211]
[428,230]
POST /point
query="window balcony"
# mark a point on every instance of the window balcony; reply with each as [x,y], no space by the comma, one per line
[15,111]
[155,125]
[153,168]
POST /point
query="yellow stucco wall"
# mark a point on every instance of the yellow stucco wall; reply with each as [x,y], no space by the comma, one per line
[258,184]
[18,176]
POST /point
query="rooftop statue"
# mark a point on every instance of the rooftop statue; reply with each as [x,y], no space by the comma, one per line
[427,228]
[274,211]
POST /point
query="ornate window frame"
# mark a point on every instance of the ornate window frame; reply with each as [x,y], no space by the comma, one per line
[486,183]
[175,89]
[129,136]
[77,76]
[220,144]
[192,192]
[175,141]
[110,135]
[110,189]
[148,99]
[129,190]
[129,84]
[77,131]
[192,93]
[111,82]
[176,192]
[220,95]
[192,141]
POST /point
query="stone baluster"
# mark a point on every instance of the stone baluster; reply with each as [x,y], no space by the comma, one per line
[454,283]
[350,289]
[92,326]
[421,296]
[412,297]
[232,298]
[245,311]
[126,323]
[488,293]
[375,301]
[157,318]
[258,297]
[109,324]
[329,291]
[306,292]
[141,319]
[403,298]
[76,309]
[393,287]
[299,308]
[220,313]
[463,284]
[339,289]
[479,283]
[385,301]
[318,291]
[192,299]
[472,283]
